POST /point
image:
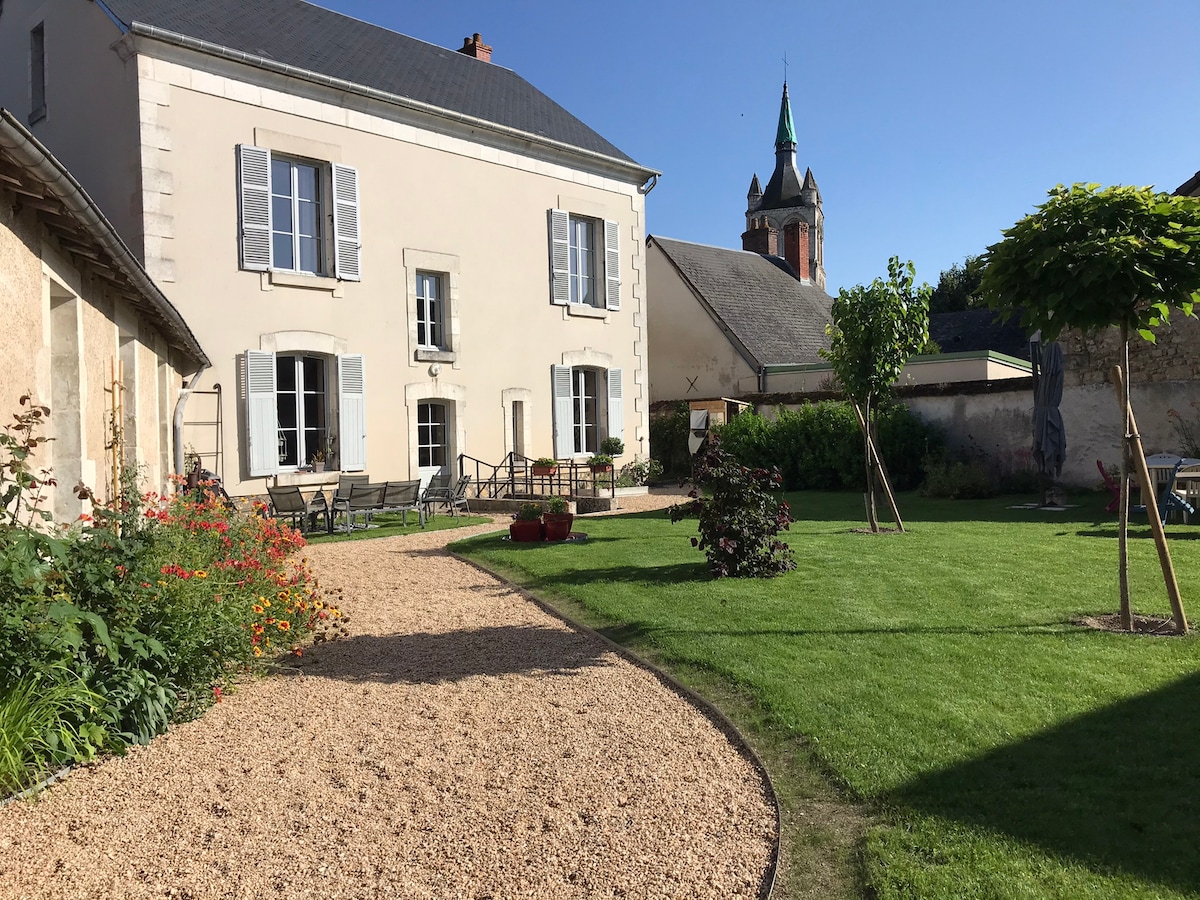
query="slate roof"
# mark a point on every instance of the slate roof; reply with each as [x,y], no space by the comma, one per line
[308,37]
[1190,188]
[756,299]
[978,329]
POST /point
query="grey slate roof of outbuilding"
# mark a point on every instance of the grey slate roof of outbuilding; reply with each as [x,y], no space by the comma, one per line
[979,329]
[308,37]
[756,299]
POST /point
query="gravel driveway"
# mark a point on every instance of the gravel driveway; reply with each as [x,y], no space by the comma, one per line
[462,744]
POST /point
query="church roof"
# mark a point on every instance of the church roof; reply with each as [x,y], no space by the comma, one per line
[783,190]
[755,188]
[756,300]
[311,41]
[786,132]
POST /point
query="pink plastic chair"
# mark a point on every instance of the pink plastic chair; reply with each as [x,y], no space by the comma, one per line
[1113,488]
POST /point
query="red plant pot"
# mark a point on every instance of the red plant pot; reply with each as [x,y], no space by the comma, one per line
[600,470]
[525,531]
[544,470]
[558,525]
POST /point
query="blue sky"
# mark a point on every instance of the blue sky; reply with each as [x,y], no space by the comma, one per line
[929,125]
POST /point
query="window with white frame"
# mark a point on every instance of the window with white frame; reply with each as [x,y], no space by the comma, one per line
[585,261]
[582,243]
[297,215]
[431,311]
[588,407]
[292,401]
[302,409]
[431,434]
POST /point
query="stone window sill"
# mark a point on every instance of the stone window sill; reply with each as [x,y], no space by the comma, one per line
[424,354]
[307,479]
[308,282]
[586,312]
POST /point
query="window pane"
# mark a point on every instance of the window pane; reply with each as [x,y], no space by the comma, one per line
[310,255]
[281,177]
[306,182]
[314,373]
[289,451]
[281,214]
[309,218]
[281,251]
[285,373]
[423,457]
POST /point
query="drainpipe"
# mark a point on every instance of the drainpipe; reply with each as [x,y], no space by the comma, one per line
[762,379]
[177,425]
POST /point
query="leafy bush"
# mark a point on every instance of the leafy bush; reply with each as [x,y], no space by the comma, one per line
[669,441]
[819,445]
[528,512]
[741,520]
[612,446]
[639,472]
[135,618]
[957,480]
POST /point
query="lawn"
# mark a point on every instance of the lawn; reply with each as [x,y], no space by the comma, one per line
[936,676]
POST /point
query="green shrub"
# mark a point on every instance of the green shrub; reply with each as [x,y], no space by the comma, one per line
[957,480]
[819,446]
[669,441]
[639,472]
[741,519]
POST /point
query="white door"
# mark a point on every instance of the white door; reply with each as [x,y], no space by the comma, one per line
[433,440]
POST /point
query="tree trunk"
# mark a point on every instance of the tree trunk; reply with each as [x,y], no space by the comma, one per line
[869,456]
[1123,517]
[872,448]
[1156,526]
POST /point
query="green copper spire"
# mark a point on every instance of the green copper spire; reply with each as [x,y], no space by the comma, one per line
[787,128]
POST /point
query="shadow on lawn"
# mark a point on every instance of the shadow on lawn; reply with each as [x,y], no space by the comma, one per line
[677,573]
[1118,790]
[453,656]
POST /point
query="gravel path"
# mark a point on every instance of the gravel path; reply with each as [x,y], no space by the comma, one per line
[462,744]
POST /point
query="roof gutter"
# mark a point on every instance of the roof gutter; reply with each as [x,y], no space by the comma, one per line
[29,152]
[139,29]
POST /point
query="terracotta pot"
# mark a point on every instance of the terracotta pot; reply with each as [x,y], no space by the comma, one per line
[318,466]
[544,470]
[600,470]
[525,531]
[558,525]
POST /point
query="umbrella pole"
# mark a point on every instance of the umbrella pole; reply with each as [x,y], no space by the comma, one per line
[1134,451]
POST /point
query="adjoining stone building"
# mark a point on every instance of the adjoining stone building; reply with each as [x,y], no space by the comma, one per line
[79,308]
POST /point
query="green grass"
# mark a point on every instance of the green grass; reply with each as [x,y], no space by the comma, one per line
[389,525]
[936,676]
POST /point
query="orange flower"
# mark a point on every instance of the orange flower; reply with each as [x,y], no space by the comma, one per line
[284,626]
[258,651]
[257,609]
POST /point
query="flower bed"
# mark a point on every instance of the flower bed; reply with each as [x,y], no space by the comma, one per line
[135,617]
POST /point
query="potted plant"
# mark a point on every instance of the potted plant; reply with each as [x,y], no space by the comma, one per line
[318,461]
[557,519]
[612,446]
[527,523]
[545,465]
[600,462]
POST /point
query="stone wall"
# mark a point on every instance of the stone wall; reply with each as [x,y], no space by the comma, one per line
[1175,356]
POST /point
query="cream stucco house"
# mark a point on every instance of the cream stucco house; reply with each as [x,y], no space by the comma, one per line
[392,252]
[77,309]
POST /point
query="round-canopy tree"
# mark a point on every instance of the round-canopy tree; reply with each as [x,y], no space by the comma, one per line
[875,331]
[1091,259]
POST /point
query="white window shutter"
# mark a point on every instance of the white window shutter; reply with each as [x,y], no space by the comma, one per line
[616,405]
[262,420]
[612,264]
[564,412]
[347,247]
[560,257]
[254,206]
[352,413]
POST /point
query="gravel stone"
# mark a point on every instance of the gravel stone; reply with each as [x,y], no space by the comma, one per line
[461,744]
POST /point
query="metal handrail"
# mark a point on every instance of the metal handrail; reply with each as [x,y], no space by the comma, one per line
[514,477]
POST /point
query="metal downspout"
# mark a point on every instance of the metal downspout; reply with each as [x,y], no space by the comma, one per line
[762,379]
[177,425]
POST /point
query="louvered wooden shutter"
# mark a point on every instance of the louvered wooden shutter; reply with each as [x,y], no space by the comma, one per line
[616,405]
[347,247]
[352,413]
[560,257]
[254,206]
[262,420]
[612,264]
[564,415]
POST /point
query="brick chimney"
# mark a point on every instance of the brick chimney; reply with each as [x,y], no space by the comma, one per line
[761,238]
[795,249]
[476,48]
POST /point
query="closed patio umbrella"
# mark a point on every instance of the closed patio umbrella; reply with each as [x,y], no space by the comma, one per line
[1049,436]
